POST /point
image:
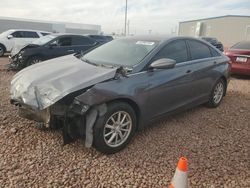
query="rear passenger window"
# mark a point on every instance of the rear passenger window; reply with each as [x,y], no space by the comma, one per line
[44,34]
[175,50]
[198,50]
[214,53]
[30,34]
[79,40]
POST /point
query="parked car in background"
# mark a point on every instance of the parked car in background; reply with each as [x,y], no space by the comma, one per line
[214,42]
[240,57]
[48,47]
[16,36]
[101,38]
[110,92]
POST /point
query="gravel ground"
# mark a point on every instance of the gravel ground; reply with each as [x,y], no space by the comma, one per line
[215,141]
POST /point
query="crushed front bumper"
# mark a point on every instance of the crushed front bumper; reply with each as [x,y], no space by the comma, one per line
[76,121]
[15,63]
[32,114]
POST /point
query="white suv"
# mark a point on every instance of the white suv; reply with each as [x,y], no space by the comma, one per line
[18,36]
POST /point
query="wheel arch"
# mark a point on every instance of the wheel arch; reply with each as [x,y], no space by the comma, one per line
[35,55]
[133,104]
[225,82]
[32,56]
[4,47]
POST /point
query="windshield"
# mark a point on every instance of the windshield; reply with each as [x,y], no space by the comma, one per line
[44,39]
[121,52]
[242,45]
[6,32]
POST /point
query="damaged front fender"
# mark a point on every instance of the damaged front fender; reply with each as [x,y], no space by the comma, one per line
[78,125]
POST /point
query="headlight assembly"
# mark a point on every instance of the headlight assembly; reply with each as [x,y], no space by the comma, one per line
[20,54]
[79,107]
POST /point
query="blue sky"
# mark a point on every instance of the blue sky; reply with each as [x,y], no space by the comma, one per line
[159,16]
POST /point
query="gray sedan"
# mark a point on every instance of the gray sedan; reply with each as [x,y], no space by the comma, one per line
[107,94]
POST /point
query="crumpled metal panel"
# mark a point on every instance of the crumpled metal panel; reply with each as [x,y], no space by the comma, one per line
[91,117]
[17,47]
[41,85]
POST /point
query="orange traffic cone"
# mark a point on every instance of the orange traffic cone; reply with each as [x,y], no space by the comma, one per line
[180,177]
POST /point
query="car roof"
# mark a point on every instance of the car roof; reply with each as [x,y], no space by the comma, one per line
[68,34]
[158,38]
[161,38]
[96,35]
[244,42]
[29,30]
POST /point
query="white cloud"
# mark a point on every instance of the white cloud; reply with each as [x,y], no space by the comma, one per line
[160,16]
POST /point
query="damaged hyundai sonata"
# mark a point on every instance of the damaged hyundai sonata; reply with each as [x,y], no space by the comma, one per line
[108,94]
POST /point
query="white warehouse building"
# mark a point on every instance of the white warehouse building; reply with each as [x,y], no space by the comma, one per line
[7,23]
[228,29]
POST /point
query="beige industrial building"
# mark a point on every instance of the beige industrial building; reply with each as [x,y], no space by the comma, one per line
[228,29]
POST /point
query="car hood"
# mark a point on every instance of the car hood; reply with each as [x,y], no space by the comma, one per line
[21,46]
[41,85]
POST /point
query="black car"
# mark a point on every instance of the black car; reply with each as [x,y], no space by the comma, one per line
[214,42]
[48,47]
[101,38]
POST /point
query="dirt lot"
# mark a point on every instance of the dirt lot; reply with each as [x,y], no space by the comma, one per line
[215,141]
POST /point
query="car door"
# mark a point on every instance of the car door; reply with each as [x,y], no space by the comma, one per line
[21,38]
[82,43]
[30,36]
[202,63]
[171,89]
[17,39]
[59,47]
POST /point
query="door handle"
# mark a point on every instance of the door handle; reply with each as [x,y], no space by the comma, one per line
[71,50]
[188,71]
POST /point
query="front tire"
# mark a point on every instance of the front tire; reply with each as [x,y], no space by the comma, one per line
[217,94]
[115,129]
[33,60]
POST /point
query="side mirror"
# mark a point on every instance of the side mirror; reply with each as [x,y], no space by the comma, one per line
[163,63]
[9,36]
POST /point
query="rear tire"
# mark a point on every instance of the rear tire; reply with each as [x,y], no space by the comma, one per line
[115,129]
[2,50]
[217,94]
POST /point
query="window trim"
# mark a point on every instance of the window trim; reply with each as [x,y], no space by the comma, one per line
[58,38]
[209,48]
[94,42]
[175,40]
[31,37]
[16,32]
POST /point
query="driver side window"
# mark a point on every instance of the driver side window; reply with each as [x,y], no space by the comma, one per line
[18,34]
[175,50]
[64,41]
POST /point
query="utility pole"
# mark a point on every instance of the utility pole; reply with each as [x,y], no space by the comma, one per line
[126,10]
[128,27]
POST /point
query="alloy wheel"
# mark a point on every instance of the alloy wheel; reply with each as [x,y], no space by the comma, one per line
[218,92]
[35,61]
[117,129]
